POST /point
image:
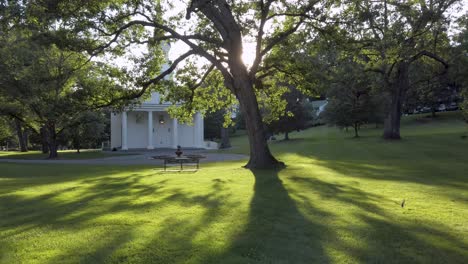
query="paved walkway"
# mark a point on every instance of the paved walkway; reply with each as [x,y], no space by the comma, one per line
[140,158]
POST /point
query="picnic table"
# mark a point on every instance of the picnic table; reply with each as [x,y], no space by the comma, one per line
[187,160]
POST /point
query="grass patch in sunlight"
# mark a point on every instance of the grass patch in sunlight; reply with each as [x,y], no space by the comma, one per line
[340,200]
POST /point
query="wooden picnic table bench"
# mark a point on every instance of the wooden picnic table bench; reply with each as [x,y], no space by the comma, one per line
[187,160]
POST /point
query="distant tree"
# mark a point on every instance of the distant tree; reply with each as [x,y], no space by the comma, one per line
[428,89]
[215,127]
[6,131]
[22,135]
[87,132]
[212,124]
[295,115]
[390,36]
[225,141]
[350,99]
[459,62]
[46,88]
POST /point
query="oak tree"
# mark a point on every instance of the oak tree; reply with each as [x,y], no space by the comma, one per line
[214,32]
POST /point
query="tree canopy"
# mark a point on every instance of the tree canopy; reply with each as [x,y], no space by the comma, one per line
[79,55]
[214,33]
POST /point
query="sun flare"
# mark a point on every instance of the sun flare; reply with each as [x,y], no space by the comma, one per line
[248,55]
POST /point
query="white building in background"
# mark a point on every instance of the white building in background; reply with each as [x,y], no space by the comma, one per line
[149,126]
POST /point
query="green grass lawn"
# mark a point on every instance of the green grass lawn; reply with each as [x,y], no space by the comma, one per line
[338,201]
[63,154]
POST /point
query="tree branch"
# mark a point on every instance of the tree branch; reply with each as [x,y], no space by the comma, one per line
[281,37]
[202,80]
[429,55]
[264,9]
[148,83]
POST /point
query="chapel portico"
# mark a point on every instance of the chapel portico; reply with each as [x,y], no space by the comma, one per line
[149,126]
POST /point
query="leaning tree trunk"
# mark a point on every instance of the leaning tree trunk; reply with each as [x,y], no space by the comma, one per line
[21,139]
[400,86]
[225,143]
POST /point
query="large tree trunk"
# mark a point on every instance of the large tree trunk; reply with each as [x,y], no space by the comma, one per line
[51,136]
[400,86]
[286,136]
[260,155]
[21,138]
[239,80]
[45,146]
[53,153]
[225,143]
[26,138]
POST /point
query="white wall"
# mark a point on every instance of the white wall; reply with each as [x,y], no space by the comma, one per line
[155,98]
[186,136]
[137,127]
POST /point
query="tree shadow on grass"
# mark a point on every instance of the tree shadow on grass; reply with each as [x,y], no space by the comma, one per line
[88,199]
[424,173]
[417,160]
[185,234]
[276,231]
[283,223]
[379,236]
[80,206]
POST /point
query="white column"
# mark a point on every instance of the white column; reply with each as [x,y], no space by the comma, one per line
[175,135]
[198,127]
[150,130]
[124,131]
[202,134]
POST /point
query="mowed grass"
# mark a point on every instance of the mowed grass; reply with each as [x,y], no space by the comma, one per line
[338,201]
[63,154]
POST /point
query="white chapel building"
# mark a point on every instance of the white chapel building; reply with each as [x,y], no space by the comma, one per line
[149,126]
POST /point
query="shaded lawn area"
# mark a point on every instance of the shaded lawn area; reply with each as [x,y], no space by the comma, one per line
[63,154]
[339,200]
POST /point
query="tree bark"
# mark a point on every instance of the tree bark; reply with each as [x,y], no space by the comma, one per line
[286,136]
[356,130]
[45,146]
[51,136]
[21,139]
[260,155]
[26,138]
[238,79]
[401,84]
[225,142]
